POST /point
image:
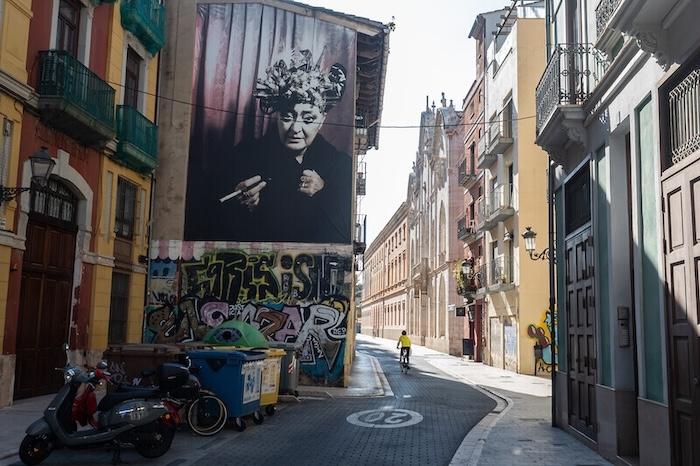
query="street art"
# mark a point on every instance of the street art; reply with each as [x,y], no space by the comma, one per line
[542,334]
[510,345]
[290,298]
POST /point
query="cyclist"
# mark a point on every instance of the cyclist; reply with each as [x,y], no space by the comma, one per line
[405,344]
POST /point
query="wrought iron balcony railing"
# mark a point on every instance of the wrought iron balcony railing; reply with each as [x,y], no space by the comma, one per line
[80,102]
[138,139]
[572,74]
[502,197]
[603,13]
[684,117]
[500,272]
[146,20]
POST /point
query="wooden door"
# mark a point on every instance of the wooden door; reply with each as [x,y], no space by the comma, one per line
[581,319]
[45,291]
[681,193]
[45,303]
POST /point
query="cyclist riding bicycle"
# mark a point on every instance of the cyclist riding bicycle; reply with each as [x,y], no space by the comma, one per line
[405,344]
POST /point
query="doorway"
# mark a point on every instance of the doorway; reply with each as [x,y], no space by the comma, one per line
[45,291]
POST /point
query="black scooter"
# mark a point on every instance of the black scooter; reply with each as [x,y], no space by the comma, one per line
[139,419]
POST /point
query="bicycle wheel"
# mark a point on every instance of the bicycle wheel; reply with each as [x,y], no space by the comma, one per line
[207,415]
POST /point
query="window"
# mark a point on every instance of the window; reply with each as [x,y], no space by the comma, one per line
[472,163]
[68,26]
[132,78]
[126,206]
[578,200]
[118,308]
[54,201]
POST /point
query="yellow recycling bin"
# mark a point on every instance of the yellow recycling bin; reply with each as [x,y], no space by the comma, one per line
[271,379]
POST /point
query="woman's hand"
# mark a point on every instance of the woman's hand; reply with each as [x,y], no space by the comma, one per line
[310,182]
[250,191]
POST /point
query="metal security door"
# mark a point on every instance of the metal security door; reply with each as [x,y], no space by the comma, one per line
[681,193]
[581,319]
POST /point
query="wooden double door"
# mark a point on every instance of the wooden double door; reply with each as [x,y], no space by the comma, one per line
[45,305]
[581,333]
[681,197]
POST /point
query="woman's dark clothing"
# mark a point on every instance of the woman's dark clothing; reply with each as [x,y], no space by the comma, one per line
[284,213]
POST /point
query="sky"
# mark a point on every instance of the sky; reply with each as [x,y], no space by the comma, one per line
[430,53]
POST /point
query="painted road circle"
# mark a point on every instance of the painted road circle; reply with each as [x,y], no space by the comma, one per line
[385,418]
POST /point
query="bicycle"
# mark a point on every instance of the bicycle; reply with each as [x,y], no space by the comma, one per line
[204,412]
[403,360]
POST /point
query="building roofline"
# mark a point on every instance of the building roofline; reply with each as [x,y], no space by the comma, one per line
[402,211]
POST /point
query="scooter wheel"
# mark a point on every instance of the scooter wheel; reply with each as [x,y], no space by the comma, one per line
[34,450]
[154,439]
[258,417]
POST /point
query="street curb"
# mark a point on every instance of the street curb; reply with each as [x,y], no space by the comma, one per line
[469,451]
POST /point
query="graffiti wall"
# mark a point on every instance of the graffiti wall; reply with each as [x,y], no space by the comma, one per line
[541,332]
[290,297]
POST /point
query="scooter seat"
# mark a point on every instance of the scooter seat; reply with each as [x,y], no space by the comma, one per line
[113,399]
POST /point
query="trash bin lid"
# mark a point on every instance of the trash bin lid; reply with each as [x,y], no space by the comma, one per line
[284,345]
[233,357]
[236,333]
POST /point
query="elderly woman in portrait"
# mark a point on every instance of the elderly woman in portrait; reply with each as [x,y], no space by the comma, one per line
[292,184]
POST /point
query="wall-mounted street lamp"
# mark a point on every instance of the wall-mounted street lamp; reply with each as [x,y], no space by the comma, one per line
[41,165]
[529,237]
[468,269]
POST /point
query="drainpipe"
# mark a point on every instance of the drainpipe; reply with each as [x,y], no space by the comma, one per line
[552,281]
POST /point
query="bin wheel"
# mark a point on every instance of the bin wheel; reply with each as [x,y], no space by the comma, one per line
[258,417]
[270,410]
[239,424]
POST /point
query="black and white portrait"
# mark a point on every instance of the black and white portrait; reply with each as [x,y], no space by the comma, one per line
[275,165]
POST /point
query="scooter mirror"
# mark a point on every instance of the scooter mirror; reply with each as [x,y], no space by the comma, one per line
[66,347]
[102,365]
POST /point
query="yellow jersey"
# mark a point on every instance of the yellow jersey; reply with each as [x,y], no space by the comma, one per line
[404,341]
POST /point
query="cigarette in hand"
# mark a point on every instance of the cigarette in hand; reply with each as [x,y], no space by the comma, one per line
[238,192]
[231,196]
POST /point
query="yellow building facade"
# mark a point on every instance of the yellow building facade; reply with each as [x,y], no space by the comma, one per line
[78,80]
[514,286]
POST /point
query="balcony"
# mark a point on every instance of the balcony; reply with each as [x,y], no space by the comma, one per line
[665,29]
[138,140]
[73,99]
[500,205]
[480,214]
[464,177]
[500,132]
[500,275]
[571,76]
[146,20]
[484,158]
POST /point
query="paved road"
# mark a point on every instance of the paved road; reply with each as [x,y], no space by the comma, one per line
[315,431]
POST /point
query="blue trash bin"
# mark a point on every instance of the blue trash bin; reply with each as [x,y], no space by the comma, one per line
[235,376]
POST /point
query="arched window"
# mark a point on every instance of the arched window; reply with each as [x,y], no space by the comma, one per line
[55,201]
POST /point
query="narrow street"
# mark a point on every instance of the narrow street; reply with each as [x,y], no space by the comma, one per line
[315,431]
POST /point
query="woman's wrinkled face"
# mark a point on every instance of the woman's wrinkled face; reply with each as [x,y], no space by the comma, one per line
[298,125]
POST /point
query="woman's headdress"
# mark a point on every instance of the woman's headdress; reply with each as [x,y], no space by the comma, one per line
[299,82]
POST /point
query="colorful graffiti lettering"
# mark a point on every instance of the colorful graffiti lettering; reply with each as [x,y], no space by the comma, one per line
[299,299]
[543,335]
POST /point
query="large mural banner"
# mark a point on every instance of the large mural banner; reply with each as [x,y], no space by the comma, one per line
[289,296]
[272,127]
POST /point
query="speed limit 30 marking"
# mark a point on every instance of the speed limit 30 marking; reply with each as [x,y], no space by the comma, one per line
[385,418]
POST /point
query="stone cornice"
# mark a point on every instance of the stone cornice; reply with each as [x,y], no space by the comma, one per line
[15,88]
[9,238]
